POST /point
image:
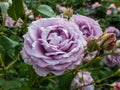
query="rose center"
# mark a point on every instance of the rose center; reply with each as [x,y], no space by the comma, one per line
[54,38]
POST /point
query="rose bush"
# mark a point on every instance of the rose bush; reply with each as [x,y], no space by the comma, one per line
[53,45]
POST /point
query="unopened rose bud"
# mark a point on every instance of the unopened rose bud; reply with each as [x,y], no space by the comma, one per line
[112,6]
[118,43]
[107,41]
[116,51]
[68,12]
[117,86]
[109,12]
[61,9]
[92,45]
[95,5]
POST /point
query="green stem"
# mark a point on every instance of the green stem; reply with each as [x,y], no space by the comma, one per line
[2,62]
[3,23]
[10,65]
[105,78]
[1,75]
[38,4]
[103,85]
[45,78]
[89,63]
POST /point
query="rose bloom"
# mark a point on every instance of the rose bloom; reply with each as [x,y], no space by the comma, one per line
[89,27]
[109,12]
[112,6]
[113,29]
[53,45]
[95,5]
[112,60]
[81,80]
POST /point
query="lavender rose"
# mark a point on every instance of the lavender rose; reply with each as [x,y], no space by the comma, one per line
[53,45]
[81,80]
[112,60]
[114,30]
[89,27]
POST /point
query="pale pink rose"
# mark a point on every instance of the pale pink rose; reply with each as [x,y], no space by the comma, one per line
[112,6]
[95,5]
[118,9]
[109,12]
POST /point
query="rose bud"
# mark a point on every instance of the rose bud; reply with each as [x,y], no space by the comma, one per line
[68,12]
[61,9]
[117,86]
[118,43]
[107,41]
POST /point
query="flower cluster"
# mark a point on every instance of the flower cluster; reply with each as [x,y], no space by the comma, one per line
[54,45]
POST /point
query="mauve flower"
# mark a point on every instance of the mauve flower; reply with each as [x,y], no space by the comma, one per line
[81,80]
[112,60]
[112,29]
[88,26]
[112,6]
[95,5]
[53,45]
[109,12]
[11,23]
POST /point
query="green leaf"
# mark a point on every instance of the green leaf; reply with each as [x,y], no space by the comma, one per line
[7,43]
[16,10]
[31,76]
[65,81]
[46,10]
[9,85]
